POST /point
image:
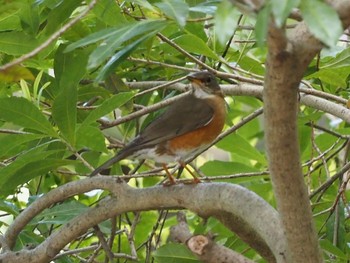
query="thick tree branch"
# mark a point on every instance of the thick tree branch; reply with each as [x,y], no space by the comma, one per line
[248,215]
[287,61]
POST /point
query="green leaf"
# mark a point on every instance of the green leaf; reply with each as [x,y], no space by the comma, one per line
[226,18]
[36,161]
[109,12]
[60,214]
[16,73]
[17,43]
[91,137]
[69,69]
[143,3]
[64,112]
[120,56]
[237,145]
[23,113]
[9,207]
[175,9]
[342,59]
[29,14]
[15,143]
[281,10]
[115,40]
[9,19]
[172,253]
[194,44]
[330,248]
[225,168]
[333,76]
[335,227]
[322,20]
[108,106]
[59,14]
[261,26]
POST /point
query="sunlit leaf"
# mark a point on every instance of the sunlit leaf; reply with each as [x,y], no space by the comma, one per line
[322,20]
[342,59]
[108,106]
[17,43]
[174,253]
[120,56]
[226,18]
[194,44]
[15,73]
[117,39]
[23,113]
[261,24]
[281,9]
[175,9]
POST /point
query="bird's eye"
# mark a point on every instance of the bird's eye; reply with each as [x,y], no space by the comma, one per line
[208,80]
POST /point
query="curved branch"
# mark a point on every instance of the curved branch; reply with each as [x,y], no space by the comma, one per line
[241,210]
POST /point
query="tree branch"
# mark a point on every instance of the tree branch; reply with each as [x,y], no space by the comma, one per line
[287,61]
[255,221]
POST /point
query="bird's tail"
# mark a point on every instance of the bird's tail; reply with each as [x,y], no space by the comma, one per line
[119,156]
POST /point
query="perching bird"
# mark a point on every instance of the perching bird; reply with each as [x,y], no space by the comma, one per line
[187,127]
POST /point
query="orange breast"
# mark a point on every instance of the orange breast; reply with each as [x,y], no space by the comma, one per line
[206,134]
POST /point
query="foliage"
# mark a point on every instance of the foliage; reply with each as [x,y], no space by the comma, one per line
[53,105]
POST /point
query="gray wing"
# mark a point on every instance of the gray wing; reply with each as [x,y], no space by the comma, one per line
[181,117]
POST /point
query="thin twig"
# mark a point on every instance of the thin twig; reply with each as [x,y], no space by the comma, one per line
[142,112]
[331,180]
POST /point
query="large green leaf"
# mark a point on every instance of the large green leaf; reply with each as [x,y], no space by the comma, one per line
[64,112]
[23,113]
[108,106]
[239,146]
[29,171]
[143,3]
[333,76]
[281,10]
[213,168]
[322,20]
[60,214]
[69,69]
[226,18]
[30,19]
[17,43]
[117,40]
[28,165]
[342,59]
[171,253]
[114,39]
[15,143]
[60,13]
[9,19]
[261,25]
[109,12]
[120,56]
[175,9]
[194,44]
[90,137]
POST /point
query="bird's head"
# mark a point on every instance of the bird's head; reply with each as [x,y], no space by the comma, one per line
[204,84]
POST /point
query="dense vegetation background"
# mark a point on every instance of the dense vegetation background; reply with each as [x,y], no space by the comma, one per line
[81,78]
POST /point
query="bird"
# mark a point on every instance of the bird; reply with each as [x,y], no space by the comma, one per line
[184,129]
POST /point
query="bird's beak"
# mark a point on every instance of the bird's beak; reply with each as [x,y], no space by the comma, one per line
[194,80]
